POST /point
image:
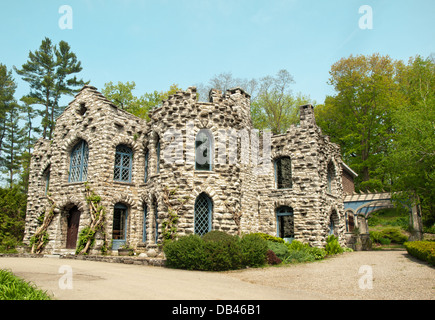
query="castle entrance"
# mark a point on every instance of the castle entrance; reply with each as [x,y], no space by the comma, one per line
[73,227]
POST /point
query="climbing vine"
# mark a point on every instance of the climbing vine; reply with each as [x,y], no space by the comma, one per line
[169,225]
[40,238]
[97,214]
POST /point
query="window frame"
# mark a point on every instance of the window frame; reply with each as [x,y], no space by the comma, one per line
[80,149]
[121,166]
[209,148]
[275,164]
[196,226]
[116,243]
[284,211]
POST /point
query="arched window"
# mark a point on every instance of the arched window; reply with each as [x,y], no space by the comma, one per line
[78,170]
[119,230]
[285,223]
[283,173]
[203,150]
[203,213]
[123,163]
[350,223]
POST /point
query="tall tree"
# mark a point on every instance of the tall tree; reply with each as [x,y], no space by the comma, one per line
[7,91]
[49,73]
[412,151]
[358,117]
[13,144]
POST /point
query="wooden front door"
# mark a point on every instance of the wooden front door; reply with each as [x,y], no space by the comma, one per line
[73,228]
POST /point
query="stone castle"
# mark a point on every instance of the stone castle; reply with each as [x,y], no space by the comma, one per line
[130,164]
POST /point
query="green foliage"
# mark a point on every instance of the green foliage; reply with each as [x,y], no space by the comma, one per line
[12,218]
[392,234]
[84,236]
[215,252]
[254,250]
[14,288]
[280,249]
[296,251]
[423,250]
[268,237]
[332,245]
[49,73]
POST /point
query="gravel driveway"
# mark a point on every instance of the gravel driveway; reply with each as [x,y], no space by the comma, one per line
[353,275]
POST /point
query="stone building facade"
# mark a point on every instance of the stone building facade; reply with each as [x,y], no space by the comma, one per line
[204,152]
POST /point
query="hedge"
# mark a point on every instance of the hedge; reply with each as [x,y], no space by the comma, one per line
[215,251]
[423,250]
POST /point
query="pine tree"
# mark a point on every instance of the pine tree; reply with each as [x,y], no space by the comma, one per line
[7,90]
[49,72]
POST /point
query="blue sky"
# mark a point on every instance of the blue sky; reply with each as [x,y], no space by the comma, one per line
[160,42]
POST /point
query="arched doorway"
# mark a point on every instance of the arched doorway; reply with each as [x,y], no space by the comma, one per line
[119,229]
[73,220]
[285,228]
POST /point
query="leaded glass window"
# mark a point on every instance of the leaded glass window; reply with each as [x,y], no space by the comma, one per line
[79,162]
[330,177]
[145,215]
[123,163]
[203,211]
[285,223]
[283,173]
[203,150]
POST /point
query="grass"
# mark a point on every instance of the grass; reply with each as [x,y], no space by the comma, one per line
[14,288]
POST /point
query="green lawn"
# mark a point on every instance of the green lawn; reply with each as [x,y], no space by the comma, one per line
[14,288]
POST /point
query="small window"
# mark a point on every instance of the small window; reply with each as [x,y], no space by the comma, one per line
[82,109]
[123,163]
[285,223]
[203,213]
[119,230]
[79,162]
[283,173]
[46,176]
[203,150]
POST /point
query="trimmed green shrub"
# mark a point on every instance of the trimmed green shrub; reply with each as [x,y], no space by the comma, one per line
[313,252]
[215,251]
[298,256]
[268,237]
[423,250]
[332,245]
[187,252]
[394,235]
[254,250]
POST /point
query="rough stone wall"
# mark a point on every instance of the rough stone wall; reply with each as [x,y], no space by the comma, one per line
[233,185]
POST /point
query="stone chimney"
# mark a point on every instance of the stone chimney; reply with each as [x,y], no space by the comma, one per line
[307,115]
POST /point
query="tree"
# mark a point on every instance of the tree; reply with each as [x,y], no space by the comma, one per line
[358,117]
[13,144]
[121,94]
[275,107]
[7,91]
[49,73]
[412,151]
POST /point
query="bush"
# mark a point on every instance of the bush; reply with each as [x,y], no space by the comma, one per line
[423,250]
[311,252]
[215,251]
[272,258]
[332,245]
[298,256]
[280,249]
[254,250]
[394,235]
[268,237]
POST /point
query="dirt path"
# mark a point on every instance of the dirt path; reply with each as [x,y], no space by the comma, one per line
[394,276]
